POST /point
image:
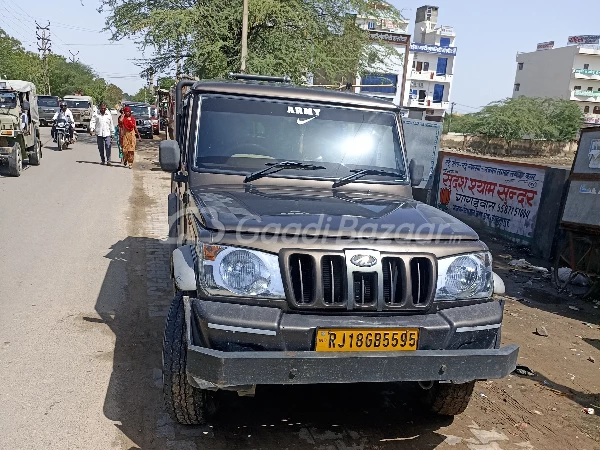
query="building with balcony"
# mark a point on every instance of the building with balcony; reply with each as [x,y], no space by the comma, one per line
[430,67]
[571,73]
[423,89]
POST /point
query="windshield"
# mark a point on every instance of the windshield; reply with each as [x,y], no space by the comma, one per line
[241,136]
[78,104]
[140,111]
[8,100]
[48,102]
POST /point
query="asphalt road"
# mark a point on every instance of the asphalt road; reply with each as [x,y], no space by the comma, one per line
[57,223]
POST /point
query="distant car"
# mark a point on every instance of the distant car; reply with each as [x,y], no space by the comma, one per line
[155,121]
[114,112]
[141,112]
[48,105]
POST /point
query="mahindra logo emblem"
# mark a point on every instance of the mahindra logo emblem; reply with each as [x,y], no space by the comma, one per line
[363,260]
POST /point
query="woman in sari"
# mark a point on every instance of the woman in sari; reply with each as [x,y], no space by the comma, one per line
[118,135]
[128,135]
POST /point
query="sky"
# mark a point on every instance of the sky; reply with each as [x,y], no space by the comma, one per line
[75,26]
[489,33]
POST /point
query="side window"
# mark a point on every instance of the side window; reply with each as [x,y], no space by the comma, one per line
[444,42]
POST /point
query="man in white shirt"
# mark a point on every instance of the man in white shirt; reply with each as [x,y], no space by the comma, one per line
[63,113]
[102,124]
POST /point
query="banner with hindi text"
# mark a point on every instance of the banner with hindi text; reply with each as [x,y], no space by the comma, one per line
[505,196]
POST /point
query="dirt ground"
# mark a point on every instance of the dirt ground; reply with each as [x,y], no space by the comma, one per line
[544,411]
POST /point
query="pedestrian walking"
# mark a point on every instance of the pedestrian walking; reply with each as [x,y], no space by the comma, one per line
[119,134]
[102,125]
[129,133]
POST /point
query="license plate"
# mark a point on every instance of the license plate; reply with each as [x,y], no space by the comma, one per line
[367,340]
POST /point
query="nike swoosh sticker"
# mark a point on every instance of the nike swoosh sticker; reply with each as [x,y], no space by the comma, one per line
[302,122]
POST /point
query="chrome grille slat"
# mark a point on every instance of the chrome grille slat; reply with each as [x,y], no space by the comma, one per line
[317,279]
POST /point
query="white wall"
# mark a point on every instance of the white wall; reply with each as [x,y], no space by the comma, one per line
[546,73]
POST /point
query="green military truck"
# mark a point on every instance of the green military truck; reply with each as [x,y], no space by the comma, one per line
[19,125]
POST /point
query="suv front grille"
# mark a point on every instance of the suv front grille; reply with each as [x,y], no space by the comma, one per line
[321,280]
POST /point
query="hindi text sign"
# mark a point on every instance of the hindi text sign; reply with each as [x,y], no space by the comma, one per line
[503,196]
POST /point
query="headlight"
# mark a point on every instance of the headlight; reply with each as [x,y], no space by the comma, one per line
[230,271]
[465,277]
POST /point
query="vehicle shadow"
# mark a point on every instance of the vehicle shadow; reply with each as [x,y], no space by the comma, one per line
[322,416]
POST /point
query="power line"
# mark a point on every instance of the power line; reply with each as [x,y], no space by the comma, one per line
[45,48]
[467,106]
[62,25]
[15,15]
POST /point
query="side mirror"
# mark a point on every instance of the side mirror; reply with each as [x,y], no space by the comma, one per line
[25,105]
[416,172]
[169,156]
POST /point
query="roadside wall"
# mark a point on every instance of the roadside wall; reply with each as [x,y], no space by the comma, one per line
[518,201]
[527,147]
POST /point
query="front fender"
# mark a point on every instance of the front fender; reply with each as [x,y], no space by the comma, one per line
[184,268]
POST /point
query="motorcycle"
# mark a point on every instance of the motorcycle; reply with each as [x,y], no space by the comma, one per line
[62,135]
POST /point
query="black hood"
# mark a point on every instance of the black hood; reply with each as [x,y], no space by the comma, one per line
[324,214]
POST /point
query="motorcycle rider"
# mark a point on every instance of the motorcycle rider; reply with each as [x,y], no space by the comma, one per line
[63,114]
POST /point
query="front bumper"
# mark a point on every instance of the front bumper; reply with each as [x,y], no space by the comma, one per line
[145,130]
[457,345]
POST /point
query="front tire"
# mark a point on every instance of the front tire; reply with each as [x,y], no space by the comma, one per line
[15,164]
[449,399]
[185,404]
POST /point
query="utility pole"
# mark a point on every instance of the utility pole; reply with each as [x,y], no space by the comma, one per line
[44,49]
[451,113]
[73,57]
[244,37]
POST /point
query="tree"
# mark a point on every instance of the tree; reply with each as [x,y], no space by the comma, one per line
[143,95]
[166,82]
[551,119]
[113,95]
[293,37]
[18,64]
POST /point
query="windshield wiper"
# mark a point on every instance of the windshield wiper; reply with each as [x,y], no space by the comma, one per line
[276,167]
[362,173]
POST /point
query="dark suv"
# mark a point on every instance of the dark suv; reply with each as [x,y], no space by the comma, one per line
[143,118]
[301,257]
[48,105]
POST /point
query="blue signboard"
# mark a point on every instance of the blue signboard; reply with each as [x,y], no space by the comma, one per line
[426,48]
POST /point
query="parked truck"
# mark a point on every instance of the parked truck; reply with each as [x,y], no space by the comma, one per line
[19,125]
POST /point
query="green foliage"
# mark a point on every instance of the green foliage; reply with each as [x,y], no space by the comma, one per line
[293,37]
[18,64]
[143,95]
[66,78]
[523,117]
[166,82]
[113,95]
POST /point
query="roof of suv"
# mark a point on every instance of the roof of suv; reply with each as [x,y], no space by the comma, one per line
[291,92]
